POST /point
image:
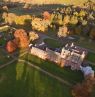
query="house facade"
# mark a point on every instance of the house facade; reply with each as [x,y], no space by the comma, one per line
[70,56]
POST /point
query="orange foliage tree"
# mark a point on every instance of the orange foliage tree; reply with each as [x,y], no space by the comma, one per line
[11,46]
[46,15]
[22,36]
[83,89]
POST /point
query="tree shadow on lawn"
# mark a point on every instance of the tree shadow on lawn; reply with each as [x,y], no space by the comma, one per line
[14,80]
[21,80]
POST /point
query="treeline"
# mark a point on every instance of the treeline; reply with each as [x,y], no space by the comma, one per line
[78,21]
[72,20]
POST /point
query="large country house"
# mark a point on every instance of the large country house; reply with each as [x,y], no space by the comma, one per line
[70,55]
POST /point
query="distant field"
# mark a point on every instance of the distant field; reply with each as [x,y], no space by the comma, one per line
[76,2]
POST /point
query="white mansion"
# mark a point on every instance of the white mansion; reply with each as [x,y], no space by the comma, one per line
[70,55]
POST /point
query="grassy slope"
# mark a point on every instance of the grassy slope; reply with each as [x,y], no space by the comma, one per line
[4,57]
[20,80]
[65,73]
[91,57]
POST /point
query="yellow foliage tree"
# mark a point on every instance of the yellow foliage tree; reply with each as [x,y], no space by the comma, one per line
[66,19]
[33,36]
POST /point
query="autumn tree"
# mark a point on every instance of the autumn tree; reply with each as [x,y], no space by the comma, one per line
[9,17]
[11,46]
[22,36]
[66,19]
[84,22]
[75,13]
[82,13]
[4,16]
[90,5]
[21,20]
[33,36]
[13,18]
[26,6]
[5,8]
[59,20]
[83,89]
[63,32]
[40,24]
[46,15]
[52,18]
[73,20]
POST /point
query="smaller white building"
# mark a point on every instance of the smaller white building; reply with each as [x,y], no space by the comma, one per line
[87,71]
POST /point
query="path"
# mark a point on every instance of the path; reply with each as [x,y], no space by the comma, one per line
[15,58]
[47,73]
[36,67]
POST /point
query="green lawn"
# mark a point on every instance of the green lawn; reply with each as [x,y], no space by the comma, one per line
[65,73]
[20,80]
[4,57]
[52,43]
[52,32]
[86,43]
[91,57]
[2,42]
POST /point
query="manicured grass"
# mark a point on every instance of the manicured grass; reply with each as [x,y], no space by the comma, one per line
[90,45]
[4,57]
[52,32]
[91,57]
[65,73]
[20,80]
[52,43]
[84,42]
[2,42]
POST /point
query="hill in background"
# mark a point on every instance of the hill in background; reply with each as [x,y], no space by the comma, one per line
[75,2]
